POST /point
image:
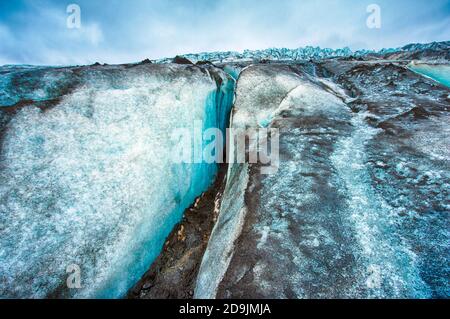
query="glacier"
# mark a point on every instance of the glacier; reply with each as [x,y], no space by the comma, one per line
[360,205]
[407,52]
[86,172]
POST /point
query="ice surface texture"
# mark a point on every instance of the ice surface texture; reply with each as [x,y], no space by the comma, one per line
[360,205]
[86,171]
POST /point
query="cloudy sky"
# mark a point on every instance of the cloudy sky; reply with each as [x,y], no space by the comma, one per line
[118,31]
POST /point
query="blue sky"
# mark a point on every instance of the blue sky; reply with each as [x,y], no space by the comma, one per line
[118,31]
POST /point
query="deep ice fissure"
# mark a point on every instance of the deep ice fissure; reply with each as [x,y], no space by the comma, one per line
[90,181]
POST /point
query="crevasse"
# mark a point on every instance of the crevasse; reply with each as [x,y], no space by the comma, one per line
[90,181]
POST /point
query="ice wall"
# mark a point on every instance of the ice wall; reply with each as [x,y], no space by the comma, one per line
[88,179]
[438,72]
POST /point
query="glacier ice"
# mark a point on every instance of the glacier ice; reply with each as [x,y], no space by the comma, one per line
[88,180]
[393,262]
[309,52]
[438,72]
[359,205]
[358,208]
